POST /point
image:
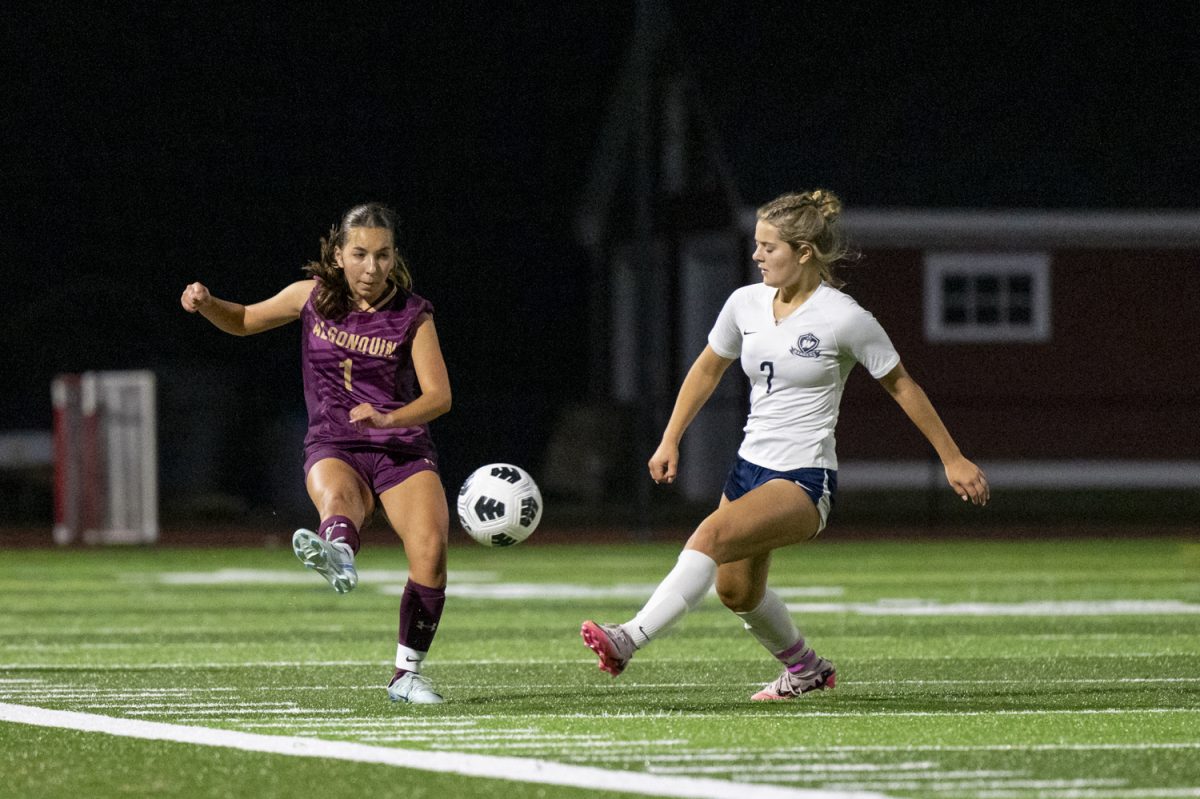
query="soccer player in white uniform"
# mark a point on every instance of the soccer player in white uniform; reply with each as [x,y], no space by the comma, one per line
[797,337]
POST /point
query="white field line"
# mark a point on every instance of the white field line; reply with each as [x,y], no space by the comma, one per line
[299,576]
[876,772]
[969,785]
[541,772]
[1091,793]
[186,705]
[742,754]
[498,740]
[923,607]
[107,694]
[350,726]
[1124,747]
[387,664]
[845,751]
[559,591]
[805,713]
[475,585]
[230,712]
[924,766]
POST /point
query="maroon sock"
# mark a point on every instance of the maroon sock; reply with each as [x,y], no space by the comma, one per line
[340,528]
[420,612]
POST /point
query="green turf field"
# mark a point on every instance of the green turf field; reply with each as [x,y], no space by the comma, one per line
[989,669]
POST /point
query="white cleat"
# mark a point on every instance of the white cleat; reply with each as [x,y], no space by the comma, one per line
[334,562]
[414,689]
[817,677]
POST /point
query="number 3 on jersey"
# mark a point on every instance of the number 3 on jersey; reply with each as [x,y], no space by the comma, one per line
[765,366]
[346,364]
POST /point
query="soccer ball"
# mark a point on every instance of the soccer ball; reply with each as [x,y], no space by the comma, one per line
[499,505]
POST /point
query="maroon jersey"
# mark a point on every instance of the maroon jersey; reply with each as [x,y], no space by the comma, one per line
[365,357]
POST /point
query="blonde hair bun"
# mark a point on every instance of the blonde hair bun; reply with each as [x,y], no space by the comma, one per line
[827,203]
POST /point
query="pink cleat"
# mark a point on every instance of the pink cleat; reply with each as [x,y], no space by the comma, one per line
[611,643]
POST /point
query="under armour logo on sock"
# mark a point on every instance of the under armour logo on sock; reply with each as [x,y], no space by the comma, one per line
[420,625]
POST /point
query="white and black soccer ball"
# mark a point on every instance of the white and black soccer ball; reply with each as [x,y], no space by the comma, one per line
[499,505]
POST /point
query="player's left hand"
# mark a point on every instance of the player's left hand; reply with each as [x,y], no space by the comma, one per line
[968,481]
[364,416]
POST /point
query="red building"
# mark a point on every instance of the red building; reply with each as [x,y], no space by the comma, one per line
[1062,348]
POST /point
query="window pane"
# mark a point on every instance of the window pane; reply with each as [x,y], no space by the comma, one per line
[1020,315]
[987,300]
[1020,289]
[954,300]
[1020,299]
[954,315]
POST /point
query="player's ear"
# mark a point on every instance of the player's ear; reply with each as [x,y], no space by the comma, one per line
[337,258]
[804,252]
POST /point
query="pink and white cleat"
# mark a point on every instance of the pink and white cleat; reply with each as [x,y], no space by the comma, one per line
[611,643]
[817,677]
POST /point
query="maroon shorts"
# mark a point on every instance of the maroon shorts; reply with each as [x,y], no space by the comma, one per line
[379,469]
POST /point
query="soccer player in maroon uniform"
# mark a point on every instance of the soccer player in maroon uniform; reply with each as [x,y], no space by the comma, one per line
[374,377]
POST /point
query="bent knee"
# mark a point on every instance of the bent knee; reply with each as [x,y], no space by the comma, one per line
[719,538]
[740,598]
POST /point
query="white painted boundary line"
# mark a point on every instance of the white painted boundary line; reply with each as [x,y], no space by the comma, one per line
[518,769]
[925,607]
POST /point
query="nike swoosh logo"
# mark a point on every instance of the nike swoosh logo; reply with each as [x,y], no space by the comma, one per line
[749,332]
[413,660]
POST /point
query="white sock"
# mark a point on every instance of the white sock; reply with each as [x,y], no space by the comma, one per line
[772,626]
[409,659]
[680,591]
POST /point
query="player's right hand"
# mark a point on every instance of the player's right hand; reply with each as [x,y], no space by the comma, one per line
[664,463]
[195,297]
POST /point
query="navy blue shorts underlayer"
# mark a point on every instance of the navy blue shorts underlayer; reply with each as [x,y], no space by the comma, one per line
[819,484]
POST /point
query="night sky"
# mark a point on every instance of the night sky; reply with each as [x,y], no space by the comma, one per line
[146,147]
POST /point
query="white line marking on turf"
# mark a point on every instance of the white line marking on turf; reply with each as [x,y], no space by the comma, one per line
[529,770]
[145,706]
[1087,793]
[924,766]
[527,591]
[970,787]
[1125,747]
[806,713]
[302,577]
[924,607]
[59,666]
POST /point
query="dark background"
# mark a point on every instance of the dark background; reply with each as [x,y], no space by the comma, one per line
[145,147]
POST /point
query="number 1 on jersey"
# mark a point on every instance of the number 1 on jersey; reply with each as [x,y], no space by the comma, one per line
[346,364]
[765,366]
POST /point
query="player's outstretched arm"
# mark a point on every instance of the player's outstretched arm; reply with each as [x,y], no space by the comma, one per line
[246,320]
[698,386]
[967,479]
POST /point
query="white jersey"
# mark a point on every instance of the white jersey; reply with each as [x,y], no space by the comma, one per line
[797,370]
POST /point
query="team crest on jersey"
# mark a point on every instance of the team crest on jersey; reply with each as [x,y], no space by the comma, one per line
[806,346]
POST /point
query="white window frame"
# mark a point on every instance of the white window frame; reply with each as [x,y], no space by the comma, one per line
[1036,265]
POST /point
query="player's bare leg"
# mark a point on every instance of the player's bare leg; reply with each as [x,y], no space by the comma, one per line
[742,587]
[418,512]
[775,514]
[343,501]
